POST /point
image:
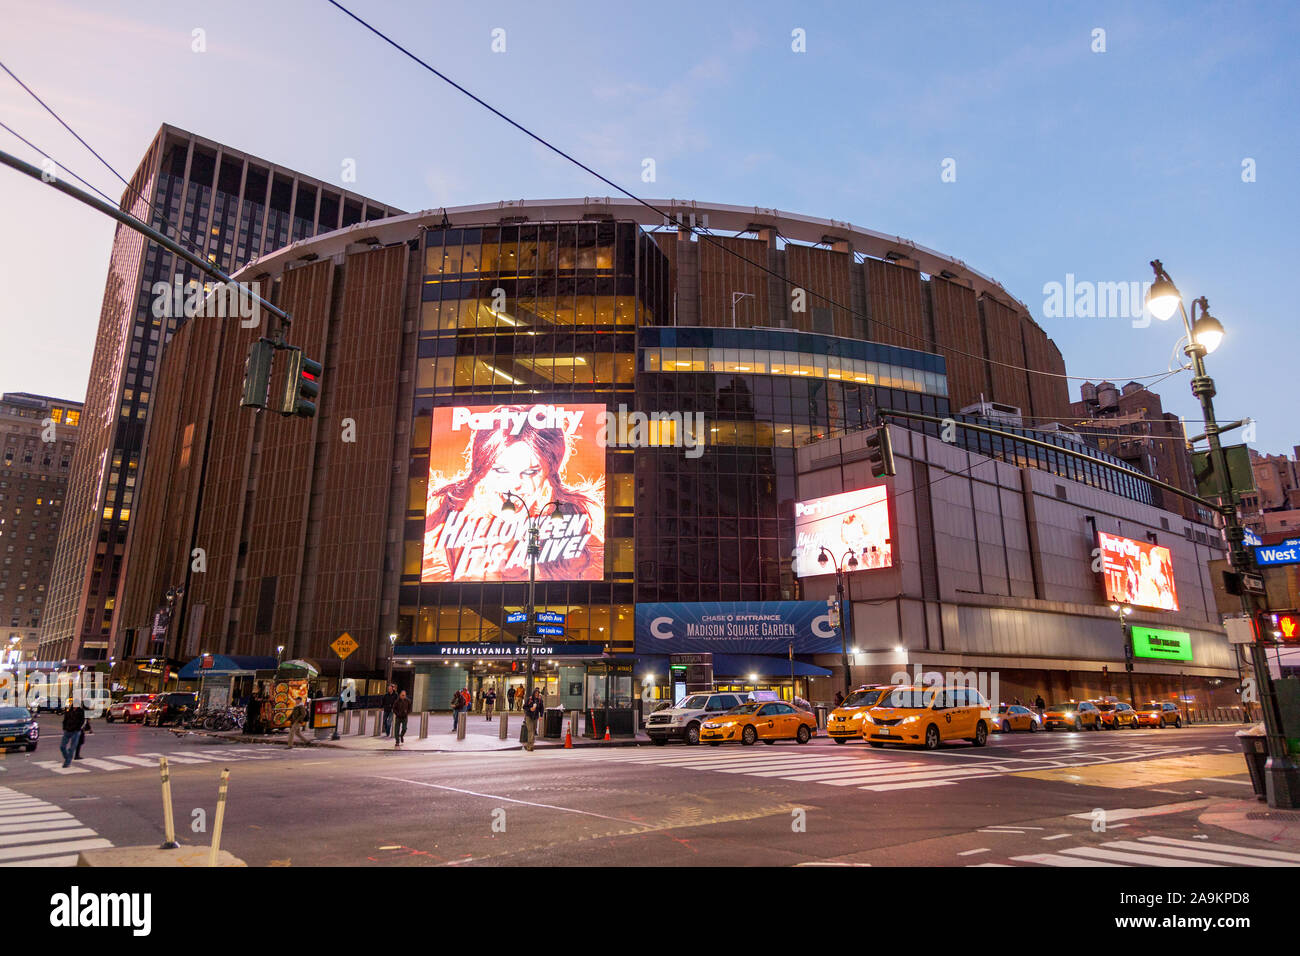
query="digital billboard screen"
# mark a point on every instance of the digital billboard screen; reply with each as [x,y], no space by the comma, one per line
[480,456]
[856,521]
[1161,645]
[1137,572]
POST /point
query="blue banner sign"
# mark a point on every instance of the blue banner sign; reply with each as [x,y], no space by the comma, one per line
[1288,552]
[426,652]
[736,627]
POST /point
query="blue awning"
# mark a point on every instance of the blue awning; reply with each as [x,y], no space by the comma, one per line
[226,666]
[732,665]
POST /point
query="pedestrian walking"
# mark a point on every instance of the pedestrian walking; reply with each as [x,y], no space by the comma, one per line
[1040,705]
[510,697]
[297,717]
[74,721]
[86,731]
[389,699]
[839,698]
[401,710]
[532,713]
[491,698]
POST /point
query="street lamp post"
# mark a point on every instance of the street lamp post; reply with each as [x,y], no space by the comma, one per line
[533,523]
[1123,611]
[388,671]
[1204,333]
[847,562]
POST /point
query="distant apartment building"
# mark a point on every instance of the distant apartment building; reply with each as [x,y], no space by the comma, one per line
[230,208]
[38,435]
[1274,506]
[1131,423]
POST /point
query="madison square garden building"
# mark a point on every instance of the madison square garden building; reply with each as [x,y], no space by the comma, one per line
[666,382]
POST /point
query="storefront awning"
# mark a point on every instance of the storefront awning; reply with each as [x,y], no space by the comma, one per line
[226,666]
[732,665]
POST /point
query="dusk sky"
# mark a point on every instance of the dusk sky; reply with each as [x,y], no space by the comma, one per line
[1067,160]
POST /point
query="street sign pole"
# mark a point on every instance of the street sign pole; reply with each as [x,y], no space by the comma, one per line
[342,661]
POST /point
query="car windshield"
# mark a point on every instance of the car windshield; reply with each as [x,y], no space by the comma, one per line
[14,713]
[1105,706]
[746,708]
[694,702]
[1063,706]
[908,697]
[863,698]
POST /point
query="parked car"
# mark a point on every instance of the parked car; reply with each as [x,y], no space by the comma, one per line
[845,721]
[18,728]
[929,716]
[1160,713]
[169,708]
[682,721]
[129,708]
[1073,714]
[1016,717]
[768,721]
[1116,714]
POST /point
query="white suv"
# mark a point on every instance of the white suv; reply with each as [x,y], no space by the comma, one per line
[682,721]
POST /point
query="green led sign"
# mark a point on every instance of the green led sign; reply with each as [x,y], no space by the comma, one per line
[1161,645]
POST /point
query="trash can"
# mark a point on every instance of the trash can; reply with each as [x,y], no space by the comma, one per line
[1255,746]
[554,725]
[821,716]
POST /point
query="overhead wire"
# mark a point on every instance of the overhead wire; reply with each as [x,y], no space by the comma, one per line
[704,233]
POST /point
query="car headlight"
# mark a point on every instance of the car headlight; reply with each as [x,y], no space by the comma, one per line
[1069,714]
[910,720]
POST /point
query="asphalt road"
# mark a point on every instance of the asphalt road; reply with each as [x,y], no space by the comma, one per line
[1024,800]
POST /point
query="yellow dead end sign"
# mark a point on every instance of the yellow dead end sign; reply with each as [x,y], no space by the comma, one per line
[344,645]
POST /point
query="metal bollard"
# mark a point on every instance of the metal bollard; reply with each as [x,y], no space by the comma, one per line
[379,723]
[347,722]
[461,725]
[424,724]
[221,816]
[361,723]
[504,728]
[169,825]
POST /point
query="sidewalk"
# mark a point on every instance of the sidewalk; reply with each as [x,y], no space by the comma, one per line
[1253,818]
[481,735]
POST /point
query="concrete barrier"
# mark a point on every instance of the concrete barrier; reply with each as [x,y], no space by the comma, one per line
[361,723]
[505,729]
[347,723]
[424,725]
[379,723]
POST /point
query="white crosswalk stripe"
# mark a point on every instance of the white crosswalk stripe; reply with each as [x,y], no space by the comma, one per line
[879,774]
[108,763]
[1161,851]
[35,832]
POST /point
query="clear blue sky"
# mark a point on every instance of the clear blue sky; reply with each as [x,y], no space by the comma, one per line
[1067,160]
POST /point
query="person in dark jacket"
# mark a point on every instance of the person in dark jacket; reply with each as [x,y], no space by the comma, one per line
[253,711]
[390,698]
[533,711]
[401,710]
[74,722]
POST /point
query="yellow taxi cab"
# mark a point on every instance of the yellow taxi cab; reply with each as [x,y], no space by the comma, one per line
[1016,717]
[928,717]
[1074,714]
[1114,714]
[845,722]
[768,721]
[1159,713]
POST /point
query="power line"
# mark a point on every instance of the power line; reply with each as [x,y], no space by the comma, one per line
[181,234]
[704,233]
[26,142]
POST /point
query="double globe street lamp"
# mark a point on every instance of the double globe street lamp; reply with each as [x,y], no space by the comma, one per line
[848,562]
[1204,333]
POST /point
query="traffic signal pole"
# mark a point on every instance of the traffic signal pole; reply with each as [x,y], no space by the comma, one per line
[126,219]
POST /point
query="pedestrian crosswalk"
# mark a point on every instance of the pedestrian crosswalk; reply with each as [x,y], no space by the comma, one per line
[1156,851]
[865,772]
[109,763]
[35,832]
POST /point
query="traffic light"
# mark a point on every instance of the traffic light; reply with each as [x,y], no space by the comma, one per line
[257,374]
[880,453]
[1287,626]
[301,385]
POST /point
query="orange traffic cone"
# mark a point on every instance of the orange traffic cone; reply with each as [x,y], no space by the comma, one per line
[568,740]
[607,732]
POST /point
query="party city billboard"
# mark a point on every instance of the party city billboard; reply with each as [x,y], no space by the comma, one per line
[736,627]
